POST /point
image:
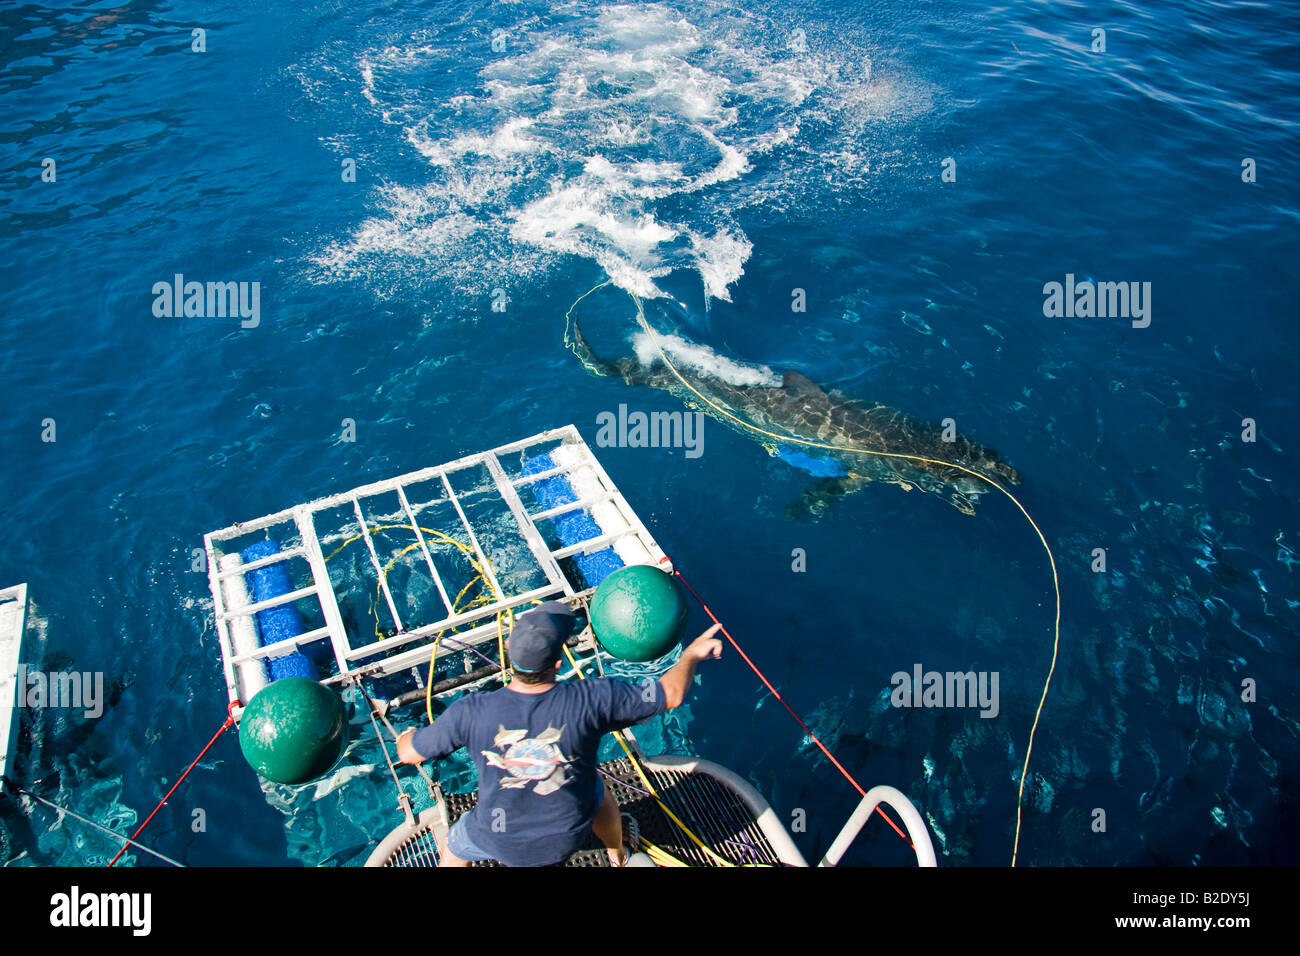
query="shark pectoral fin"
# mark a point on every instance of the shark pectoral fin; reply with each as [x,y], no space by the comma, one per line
[816,499]
[962,503]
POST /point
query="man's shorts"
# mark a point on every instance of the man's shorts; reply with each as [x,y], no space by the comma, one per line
[459,843]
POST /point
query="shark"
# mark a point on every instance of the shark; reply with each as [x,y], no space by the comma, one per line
[799,410]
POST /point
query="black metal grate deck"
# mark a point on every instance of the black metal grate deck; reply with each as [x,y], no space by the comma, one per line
[711,809]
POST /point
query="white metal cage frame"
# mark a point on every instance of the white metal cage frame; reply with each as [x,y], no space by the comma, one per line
[479,624]
[13,620]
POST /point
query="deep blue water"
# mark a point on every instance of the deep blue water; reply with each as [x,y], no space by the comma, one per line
[700,152]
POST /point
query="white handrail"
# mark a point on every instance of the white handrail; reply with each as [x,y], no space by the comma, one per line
[916,828]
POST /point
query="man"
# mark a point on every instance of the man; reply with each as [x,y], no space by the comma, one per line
[534,743]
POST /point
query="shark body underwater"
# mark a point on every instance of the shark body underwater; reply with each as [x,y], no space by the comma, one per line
[798,408]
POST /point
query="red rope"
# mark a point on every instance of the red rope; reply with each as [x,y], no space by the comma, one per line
[230,719]
[775,693]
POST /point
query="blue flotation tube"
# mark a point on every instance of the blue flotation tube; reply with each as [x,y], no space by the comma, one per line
[276,623]
[573,526]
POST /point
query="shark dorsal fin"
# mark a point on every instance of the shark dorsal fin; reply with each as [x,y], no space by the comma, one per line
[796,383]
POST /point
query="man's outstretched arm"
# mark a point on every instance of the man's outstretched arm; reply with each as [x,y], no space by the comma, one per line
[678,679]
[437,740]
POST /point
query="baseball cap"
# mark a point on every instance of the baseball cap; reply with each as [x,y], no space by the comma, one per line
[536,637]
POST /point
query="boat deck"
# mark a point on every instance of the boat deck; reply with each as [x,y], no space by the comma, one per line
[713,810]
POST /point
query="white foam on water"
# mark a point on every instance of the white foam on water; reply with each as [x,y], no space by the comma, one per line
[503,144]
[686,354]
[572,140]
[594,223]
[721,260]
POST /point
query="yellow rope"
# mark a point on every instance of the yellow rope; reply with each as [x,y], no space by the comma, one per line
[1056,584]
[433,658]
[455,605]
[509,615]
[660,856]
[568,322]
[428,685]
[445,538]
[441,537]
[455,608]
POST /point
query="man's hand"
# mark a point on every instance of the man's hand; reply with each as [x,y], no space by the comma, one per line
[406,752]
[705,646]
[680,674]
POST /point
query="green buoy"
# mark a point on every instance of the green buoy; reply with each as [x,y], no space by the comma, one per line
[293,730]
[638,613]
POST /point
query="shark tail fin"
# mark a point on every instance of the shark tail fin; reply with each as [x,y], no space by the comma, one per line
[595,364]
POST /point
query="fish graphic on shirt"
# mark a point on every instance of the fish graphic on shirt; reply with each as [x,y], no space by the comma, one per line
[528,760]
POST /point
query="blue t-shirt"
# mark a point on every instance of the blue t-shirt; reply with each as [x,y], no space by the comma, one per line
[536,759]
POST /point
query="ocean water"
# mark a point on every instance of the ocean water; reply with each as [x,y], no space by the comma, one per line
[711,158]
